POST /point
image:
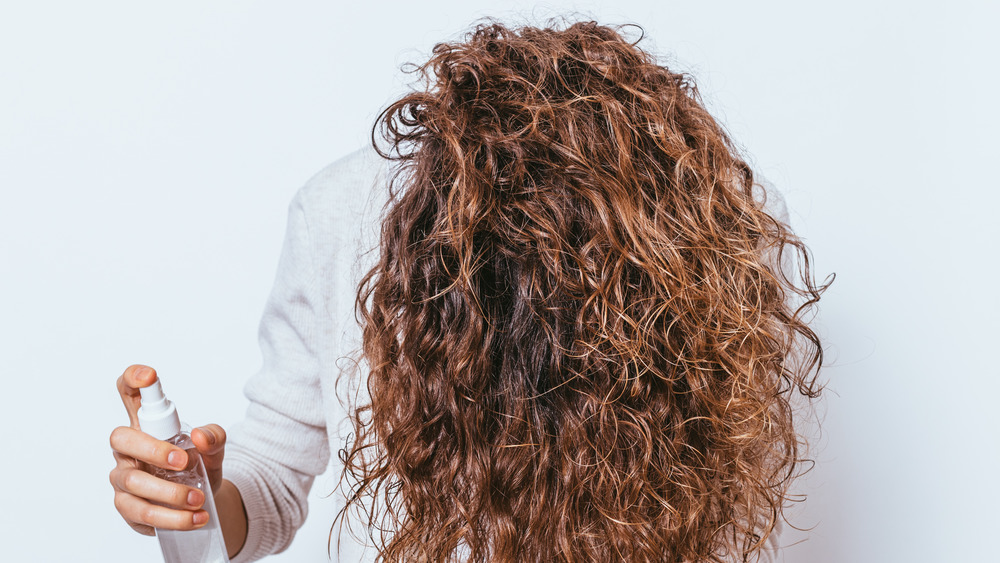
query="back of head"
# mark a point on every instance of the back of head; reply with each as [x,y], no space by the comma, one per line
[580,345]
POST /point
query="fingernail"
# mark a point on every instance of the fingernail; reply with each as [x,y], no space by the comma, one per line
[210,436]
[194,498]
[140,373]
[200,518]
[176,458]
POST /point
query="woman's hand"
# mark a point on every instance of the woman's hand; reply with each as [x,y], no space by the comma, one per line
[145,501]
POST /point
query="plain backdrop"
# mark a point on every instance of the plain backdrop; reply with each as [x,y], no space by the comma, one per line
[148,152]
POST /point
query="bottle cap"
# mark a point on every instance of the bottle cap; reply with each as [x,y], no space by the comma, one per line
[157,415]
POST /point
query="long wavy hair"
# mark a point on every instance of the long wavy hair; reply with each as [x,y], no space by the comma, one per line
[581,343]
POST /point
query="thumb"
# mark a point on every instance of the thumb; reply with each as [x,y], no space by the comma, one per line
[135,376]
[211,443]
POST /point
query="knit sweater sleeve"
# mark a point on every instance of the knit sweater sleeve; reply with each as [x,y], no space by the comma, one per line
[774,205]
[274,454]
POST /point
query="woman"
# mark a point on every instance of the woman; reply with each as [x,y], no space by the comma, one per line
[576,339]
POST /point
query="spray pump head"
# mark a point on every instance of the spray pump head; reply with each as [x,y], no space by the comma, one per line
[157,415]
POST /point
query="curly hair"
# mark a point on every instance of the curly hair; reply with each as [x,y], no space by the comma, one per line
[581,344]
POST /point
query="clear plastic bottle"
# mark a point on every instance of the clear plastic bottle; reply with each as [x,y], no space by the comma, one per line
[158,418]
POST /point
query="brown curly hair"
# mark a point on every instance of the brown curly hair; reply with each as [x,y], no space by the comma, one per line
[581,345]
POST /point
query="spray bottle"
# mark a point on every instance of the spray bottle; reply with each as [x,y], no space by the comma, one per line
[158,418]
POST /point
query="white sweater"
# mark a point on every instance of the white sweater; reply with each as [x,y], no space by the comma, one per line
[309,336]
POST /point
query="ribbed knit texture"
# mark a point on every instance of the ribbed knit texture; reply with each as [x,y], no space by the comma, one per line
[307,331]
[309,337]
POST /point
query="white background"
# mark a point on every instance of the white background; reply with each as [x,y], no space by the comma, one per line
[148,152]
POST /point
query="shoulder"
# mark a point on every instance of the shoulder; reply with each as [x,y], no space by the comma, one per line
[772,198]
[335,222]
[341,206]
[347,185]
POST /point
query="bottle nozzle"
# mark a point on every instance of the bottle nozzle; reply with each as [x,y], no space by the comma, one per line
[151,394]
[157,415]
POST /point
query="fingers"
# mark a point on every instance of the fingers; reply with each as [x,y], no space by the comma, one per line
[140,512]
[211,443]
[209,439]
[138,483]
[134,377]
[145,501]
[143,447]
[142,528]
